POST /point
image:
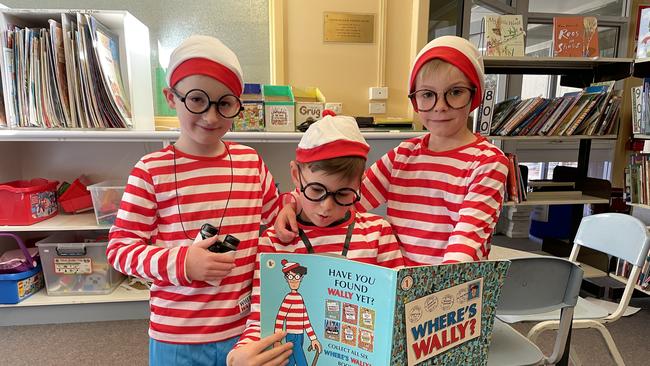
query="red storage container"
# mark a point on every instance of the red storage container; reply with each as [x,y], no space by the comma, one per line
[26,202]
[76,198]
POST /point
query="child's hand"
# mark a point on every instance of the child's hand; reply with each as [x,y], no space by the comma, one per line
[203,265]
[286,226]
[255,353]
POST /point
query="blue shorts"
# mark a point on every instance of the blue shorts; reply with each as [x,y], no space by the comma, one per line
[213,354]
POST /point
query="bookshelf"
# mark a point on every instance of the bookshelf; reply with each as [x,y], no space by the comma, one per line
[575,71]
[40,308]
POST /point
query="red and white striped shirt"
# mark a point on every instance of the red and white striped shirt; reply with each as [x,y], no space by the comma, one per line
[150,241]
[372,242]
[443,206]
[293,314]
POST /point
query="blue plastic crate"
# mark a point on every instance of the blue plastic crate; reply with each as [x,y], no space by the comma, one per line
[16,287]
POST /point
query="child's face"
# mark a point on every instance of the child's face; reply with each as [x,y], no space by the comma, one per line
[442,120]
[327,211]
[203,130]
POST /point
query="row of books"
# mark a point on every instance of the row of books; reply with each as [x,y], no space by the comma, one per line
[64,75]
[592,111]
[637,179]
[641,108]
[517,180]
[573,36]
[624,268]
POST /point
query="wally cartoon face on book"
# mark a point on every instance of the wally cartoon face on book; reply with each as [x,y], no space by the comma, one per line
[345,313]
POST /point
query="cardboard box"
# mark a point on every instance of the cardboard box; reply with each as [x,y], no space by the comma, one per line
[279,108]
[310,103]
[252,117]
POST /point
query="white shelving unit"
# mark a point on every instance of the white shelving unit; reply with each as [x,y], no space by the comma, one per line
[60,222]
[110,154]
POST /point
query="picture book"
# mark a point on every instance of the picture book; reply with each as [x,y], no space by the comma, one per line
[341,312]
[503,35]
[643,29]
[575,37]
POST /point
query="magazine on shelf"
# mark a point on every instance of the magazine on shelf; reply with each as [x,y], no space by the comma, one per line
[62,73]
[362,314]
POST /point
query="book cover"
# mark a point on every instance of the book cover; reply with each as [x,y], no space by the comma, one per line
[575,37]
[643,42]
[504,35]
[361,314]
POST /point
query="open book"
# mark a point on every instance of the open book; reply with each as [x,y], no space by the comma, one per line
[361,314]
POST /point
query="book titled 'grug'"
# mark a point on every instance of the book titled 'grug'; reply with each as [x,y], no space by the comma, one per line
[341,312]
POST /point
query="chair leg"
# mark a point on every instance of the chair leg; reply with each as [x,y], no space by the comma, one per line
[613,350]
[573,356]
[540,328]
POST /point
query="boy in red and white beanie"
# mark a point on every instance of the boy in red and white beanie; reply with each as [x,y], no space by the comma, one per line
[198,298]
[443,190]
[327,173]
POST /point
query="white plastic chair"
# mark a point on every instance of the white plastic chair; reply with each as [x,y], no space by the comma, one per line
[534,285]
[615,234]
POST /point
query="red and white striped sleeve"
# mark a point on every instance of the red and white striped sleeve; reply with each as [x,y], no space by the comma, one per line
[389,253]
[376,182]
[479,211]
[128,249]
[253,327]
[270,196]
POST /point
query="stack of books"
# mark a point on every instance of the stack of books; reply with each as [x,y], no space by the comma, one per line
[66,74]
[592,111]
[514,221]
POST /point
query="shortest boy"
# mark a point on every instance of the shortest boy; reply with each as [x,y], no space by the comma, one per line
[329,166]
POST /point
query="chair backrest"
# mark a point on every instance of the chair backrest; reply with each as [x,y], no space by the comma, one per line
[616,234]
[536,285]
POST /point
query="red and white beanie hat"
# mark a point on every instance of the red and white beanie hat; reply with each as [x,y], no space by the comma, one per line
[332,137]
[205,55]
[288,266]
[458,52]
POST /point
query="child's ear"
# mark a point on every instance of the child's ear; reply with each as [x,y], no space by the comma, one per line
[169,98]
[293,166]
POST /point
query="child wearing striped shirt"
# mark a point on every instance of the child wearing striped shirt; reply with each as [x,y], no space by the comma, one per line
[327,172]
[444,190]
[200,300]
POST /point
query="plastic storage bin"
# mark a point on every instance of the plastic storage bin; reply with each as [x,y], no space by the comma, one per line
[76,198]
[26,202]
[75,264]
[19,281]
[106,197]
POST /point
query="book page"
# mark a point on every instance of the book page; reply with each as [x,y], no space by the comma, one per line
[347,306]
[443,320]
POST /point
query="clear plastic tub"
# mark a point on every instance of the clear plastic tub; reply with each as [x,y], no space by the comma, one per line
[106,197]
[76,264]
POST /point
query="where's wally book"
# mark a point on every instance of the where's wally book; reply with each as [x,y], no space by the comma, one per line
[340,312]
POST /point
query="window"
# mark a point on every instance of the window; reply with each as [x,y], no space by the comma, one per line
[581,7]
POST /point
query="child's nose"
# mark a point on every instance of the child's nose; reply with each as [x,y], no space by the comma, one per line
[328,202]
[441,103]
[211,115]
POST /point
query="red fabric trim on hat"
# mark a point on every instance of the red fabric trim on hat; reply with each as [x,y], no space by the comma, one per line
[290,268]
[331,150]
[203,66]
[455,57]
